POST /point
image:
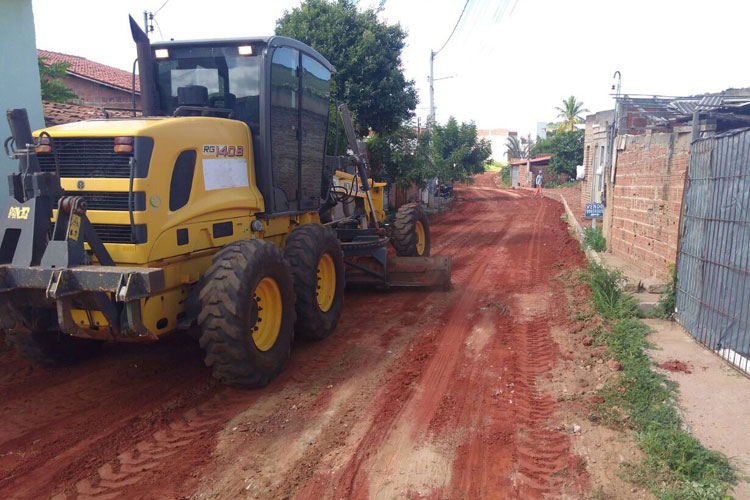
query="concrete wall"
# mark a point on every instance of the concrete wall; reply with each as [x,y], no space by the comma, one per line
[19,87]
[646,199]
[95,94]
[594,147]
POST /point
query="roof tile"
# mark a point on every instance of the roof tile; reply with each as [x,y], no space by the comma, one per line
[58,113]
[93,70]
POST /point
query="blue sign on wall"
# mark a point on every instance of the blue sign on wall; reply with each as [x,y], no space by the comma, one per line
[594,210]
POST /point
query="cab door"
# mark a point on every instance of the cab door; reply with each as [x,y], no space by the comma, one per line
[285,128]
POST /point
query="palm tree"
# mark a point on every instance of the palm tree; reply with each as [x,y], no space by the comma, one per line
[570,113]
[515,149]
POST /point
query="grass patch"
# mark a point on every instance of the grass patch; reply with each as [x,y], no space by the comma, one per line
[667,301]
[594,239]
[505,176]
[676,466]
[495,166]
[565,184]
[607,294]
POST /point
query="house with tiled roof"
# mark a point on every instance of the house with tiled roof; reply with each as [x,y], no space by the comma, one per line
[523,172]
[94,83]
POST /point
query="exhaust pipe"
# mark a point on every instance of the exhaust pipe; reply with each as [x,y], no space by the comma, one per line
[149,100]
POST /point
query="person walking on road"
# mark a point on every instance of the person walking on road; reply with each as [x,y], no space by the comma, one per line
[538,191]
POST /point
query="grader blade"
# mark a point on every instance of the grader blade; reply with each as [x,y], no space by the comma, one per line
[401,272]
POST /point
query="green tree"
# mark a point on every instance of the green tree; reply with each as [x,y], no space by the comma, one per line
[401,157]
[367,55]
[566,149]
[456,153]
[449,152]
[53,88]
[570,114]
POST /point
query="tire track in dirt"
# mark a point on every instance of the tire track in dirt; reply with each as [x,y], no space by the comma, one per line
[346,409]
[543,453]
[454,399]
[354,480]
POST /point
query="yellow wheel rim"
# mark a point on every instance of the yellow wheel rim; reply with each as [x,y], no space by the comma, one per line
[326,282]
[270,307]
[421,238]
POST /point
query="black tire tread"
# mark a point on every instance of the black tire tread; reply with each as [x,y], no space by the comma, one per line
[404,236]
[223,334]
[302,251]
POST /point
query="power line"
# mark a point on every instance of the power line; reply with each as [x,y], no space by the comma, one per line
[469,22]
[454,28]
[159,27]
[162,6]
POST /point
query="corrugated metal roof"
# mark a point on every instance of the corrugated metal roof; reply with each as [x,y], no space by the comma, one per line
[683,107]
[710,102]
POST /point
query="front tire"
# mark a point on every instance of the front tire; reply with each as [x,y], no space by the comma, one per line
[247,313]
[314,254]
[411,232]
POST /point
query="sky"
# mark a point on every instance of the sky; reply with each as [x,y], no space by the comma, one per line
[508,64]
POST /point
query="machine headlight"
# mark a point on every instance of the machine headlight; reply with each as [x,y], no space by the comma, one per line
[124,145]
[42,145]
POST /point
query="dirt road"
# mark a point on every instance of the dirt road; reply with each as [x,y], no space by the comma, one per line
[417,394]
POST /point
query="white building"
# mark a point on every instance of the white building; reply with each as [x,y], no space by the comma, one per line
[498,138]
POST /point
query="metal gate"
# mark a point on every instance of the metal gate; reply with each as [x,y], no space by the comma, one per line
[713,287]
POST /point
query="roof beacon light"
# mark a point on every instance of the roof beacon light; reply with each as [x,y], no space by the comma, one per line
[161,53]
[245,50]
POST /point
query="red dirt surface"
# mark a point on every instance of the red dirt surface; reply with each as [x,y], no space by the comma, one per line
[675,365]
[418,393]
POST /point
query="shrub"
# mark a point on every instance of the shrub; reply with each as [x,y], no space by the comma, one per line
[593,239]
[668,299]
[607,293]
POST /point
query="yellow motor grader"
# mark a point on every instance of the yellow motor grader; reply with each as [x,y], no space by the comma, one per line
[215,206]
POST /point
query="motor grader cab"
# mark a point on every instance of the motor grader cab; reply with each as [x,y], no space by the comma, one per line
[214,207]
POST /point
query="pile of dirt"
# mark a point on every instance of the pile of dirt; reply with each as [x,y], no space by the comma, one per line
[675,365]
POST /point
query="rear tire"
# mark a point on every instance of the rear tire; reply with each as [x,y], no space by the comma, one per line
[247,313]
[314,254]
[411,232]
[51,348]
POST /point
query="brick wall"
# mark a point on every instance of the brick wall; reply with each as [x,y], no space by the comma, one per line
[96,94]
[646,199]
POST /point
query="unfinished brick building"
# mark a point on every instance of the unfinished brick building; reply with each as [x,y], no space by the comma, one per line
[642,183]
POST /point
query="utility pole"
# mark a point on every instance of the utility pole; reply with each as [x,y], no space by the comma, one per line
[148,16]
[431,119]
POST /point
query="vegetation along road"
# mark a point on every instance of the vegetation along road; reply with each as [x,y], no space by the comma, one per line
[417,394]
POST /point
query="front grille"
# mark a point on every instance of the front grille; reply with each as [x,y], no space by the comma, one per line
[108,200]
[120,233]
[86,157]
